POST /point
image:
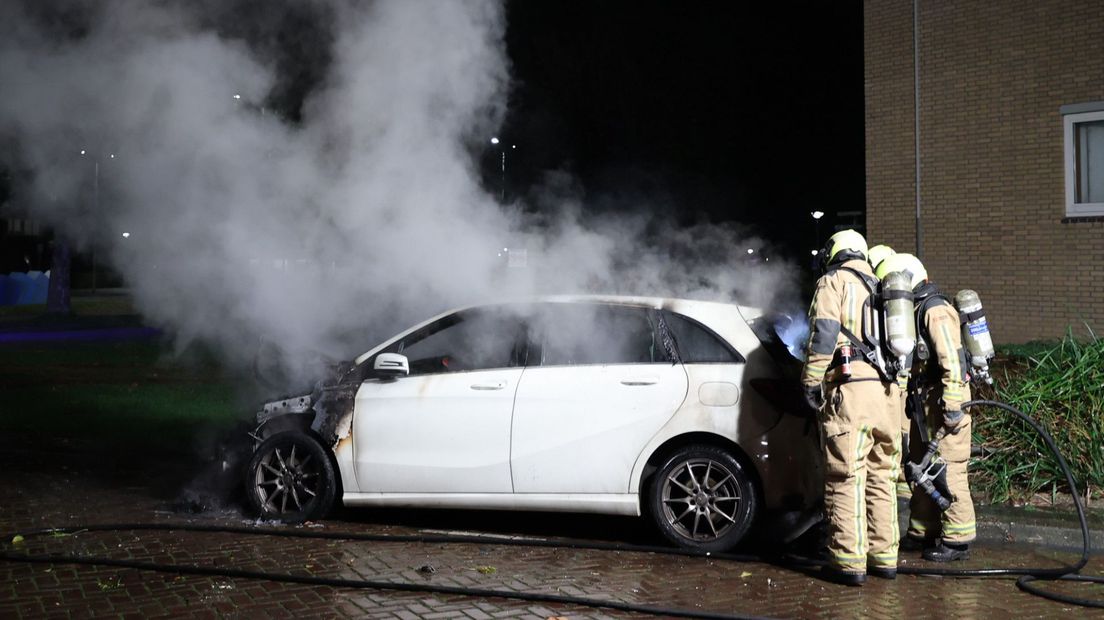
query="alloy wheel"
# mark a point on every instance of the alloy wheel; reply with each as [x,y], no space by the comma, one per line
[701,498]
[287,479]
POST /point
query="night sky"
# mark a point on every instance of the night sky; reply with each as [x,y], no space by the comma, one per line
[724,111]
[698,111]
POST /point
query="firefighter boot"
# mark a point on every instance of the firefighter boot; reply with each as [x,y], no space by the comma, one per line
[881,572]
[947,552]
[835,575]
[913,543]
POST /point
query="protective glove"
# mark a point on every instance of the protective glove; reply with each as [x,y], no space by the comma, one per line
[953,419]
[814,397]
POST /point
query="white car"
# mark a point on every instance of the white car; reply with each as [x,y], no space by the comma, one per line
[678,410]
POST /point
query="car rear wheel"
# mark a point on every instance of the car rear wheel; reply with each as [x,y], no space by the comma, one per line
[290,478]
[702,498]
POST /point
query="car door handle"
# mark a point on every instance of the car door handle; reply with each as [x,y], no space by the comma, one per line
[493,385]
[640,381]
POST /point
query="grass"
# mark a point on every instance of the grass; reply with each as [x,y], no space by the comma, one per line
[130,392]
[1061,385]
[100,305]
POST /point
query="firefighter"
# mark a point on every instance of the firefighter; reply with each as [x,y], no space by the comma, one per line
[938,386]
[858,418]
[878,254]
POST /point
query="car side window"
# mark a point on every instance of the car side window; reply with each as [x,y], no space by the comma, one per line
[478,339]
[696,344]
[585,334]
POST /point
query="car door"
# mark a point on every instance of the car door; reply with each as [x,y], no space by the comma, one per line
[599,384]
[445,428]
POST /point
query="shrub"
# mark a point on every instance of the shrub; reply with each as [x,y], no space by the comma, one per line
[1061,385]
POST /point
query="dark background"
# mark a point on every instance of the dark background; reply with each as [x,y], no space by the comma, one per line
[725,111]
[696,111]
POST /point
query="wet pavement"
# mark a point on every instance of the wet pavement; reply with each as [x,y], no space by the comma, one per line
[56,485]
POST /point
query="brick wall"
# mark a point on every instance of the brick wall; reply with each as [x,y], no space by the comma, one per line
[992,78]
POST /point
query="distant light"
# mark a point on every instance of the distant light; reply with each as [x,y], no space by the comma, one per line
[513,146]
[817,214]
[126,235]
[237,96]
[751,251]
[112,156]
[767,260]
[815,252]
[505,249]
[82,151]
[500,253]
[494,140]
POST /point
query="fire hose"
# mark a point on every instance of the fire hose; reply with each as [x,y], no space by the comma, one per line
[1028,577]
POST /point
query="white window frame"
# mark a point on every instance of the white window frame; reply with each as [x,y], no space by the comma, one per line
[1078,209]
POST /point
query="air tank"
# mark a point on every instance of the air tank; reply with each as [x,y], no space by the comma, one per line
[900,326]
[975,333]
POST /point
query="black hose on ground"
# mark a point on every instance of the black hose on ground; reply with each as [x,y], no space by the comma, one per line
[369,584]
[342,583]
[1030,575]
[1027,575]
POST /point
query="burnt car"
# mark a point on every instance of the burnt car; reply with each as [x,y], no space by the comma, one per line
[681,411]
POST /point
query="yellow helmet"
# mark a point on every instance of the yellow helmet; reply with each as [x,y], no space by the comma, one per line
[844,241]
[879,253]
[909,264]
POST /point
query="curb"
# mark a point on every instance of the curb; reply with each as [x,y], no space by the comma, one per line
[1058,531]
[1060,537]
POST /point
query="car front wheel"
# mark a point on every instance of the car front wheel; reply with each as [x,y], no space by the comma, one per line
[290,478]
[702,498]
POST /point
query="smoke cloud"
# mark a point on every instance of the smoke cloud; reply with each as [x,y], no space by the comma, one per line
[325,226]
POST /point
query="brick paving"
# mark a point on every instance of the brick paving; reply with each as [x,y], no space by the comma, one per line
[59,488]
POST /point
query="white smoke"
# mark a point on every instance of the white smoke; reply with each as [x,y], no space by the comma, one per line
[365,216]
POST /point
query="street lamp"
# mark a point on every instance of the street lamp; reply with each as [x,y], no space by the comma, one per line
[95,206]
[816,219]
[502,189]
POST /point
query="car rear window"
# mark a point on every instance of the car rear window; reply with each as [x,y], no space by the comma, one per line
[697,345]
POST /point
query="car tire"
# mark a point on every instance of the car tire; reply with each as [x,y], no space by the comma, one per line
[290,478]
[702,498]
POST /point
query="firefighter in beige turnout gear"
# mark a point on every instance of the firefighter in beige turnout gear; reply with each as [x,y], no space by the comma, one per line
[859,421]
[878,254]
[939,385]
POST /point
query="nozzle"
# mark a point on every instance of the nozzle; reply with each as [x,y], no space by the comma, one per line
[935,495]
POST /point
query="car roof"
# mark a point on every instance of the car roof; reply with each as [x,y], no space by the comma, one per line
[707,312]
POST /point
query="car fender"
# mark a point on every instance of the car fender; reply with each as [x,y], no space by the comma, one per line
[780,459]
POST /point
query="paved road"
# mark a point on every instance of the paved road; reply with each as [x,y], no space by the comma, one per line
[53,485]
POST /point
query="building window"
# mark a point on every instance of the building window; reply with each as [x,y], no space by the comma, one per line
[1084,140]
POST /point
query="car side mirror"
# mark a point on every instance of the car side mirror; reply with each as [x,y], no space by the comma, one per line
[391,365]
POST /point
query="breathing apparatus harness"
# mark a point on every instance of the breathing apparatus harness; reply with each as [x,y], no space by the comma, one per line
[872,345]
